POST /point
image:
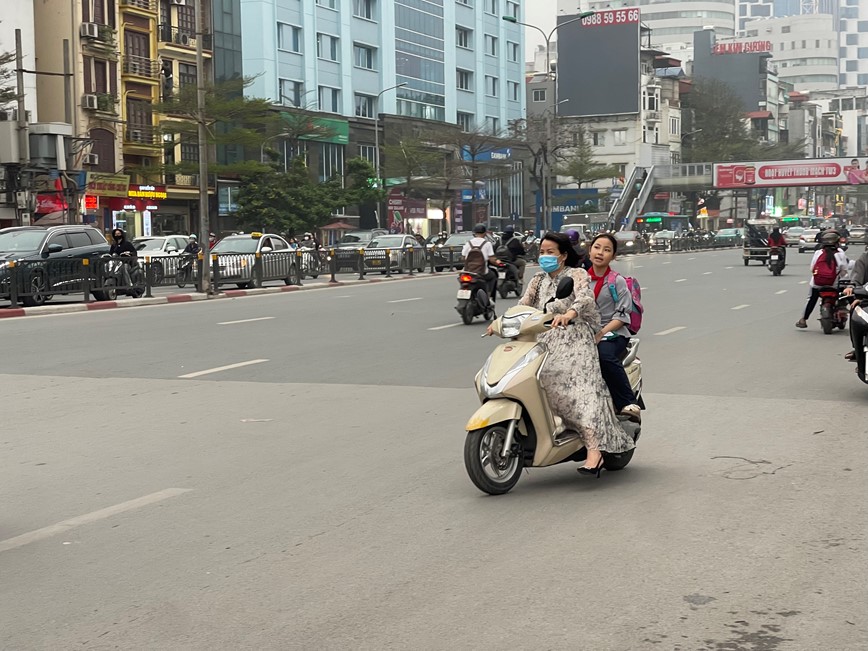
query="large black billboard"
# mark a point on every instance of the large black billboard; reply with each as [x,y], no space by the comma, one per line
[598,63]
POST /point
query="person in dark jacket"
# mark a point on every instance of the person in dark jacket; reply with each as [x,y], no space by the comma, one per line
[860,280]
[516,250]
[120,244]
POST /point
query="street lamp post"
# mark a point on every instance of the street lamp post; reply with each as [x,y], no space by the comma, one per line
[377,146]
[552,110]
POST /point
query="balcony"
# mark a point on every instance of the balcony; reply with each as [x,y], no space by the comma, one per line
[144,5]
[652,116]
[183,180]
[141,67]
[141,135]
[183,38]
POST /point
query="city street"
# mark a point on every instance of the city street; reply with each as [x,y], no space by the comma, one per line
[285,472]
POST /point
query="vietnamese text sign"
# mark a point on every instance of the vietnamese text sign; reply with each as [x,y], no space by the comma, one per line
[791,173]
[107,185]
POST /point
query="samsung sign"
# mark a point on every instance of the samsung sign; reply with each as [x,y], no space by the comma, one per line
[492,156]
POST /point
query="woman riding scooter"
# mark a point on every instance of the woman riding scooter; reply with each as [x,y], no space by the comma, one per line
[572,378]
[829,265]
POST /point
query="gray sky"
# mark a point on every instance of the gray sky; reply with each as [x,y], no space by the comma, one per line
[542,13]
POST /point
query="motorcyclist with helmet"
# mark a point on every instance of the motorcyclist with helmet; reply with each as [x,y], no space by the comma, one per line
[515,250]
[479,241]
[192,247]
[833,255]
[575,242]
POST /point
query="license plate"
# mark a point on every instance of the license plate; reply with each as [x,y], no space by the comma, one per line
[376,263]
[464,294]
[774,258]
[502,275]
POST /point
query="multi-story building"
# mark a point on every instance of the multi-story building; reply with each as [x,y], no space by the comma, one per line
[672,23]
[854,43]
[126,56]
[805,48]
[19,15]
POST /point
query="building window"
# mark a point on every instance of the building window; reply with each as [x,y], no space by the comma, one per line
[785,29]
[464,79]
[491,45]
[852,66]
[597,138]
[512,51]
[365,106]
[189,149]
[674,126]
[619,137]
[539,95]
[512,8]
[329,99]
[466,3]
[186,19]
[290,92]
[369,153]
[288,37]
[463,37]
[331,162]
[327,47]
[363,9]
[491,6]
[512,90]
[493,124]
[465,121]
[364,56]
[331,4]
[491,85]
[186,75]
[852,39]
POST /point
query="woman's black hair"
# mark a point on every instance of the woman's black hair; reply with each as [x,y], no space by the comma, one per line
[609,237]
[564,246]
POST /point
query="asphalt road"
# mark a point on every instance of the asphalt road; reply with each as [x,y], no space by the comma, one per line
[313,495]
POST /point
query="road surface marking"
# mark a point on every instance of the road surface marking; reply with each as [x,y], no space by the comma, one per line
[229,367]
[783,291]
[740,307]
[691,258]
[453,325]
[667,263]
[708,273]
[87,518]
[261,318]
[681,280]
[638,266]
[730,267]
[670,331]
[803,282]
[406,300]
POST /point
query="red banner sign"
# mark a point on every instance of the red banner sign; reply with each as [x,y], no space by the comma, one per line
[791,173]
[751,47]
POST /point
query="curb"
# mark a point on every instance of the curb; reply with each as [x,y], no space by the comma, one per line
[46,310]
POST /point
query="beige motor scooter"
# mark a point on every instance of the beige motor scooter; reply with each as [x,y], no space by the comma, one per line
[515,428]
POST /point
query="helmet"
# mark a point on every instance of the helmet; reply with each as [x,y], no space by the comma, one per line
[193,236]
[509,230]
[573,235]
[830,238]
[480,228]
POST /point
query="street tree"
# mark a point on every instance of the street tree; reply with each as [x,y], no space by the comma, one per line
[363,190]
[408,164]
[718,131]
[7,76]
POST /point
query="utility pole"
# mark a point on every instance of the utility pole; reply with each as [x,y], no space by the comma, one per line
[204,225]
[23,138]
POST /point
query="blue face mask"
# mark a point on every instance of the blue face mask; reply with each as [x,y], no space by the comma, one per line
[549,263]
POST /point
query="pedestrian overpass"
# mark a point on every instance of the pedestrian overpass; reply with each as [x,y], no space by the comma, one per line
[644,181]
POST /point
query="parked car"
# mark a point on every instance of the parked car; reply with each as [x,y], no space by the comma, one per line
[858,235]
[52,257]
[630,242]
[728,237]
[359,239]
[159,247]
[806,240]
[791,235]
[399,253]
[662,240]
[236,257]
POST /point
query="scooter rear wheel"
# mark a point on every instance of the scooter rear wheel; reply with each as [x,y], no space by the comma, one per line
[827,326]
[467,313]
[485,467]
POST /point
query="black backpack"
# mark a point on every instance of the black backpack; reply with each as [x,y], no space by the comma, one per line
[475,261]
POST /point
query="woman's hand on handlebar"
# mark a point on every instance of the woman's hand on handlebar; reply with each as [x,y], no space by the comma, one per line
[490,330]
[563,320]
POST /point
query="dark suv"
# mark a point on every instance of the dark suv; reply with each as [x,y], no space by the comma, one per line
[49,260]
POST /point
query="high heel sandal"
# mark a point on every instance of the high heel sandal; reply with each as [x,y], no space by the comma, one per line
[584,470]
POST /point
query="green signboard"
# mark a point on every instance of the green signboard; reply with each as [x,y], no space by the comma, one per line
[331,129]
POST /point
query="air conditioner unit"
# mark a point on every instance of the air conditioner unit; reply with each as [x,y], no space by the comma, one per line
[89,102]
[89,30]
[136,135]
[91,159]
[183,38]
[179,2]
[147,162]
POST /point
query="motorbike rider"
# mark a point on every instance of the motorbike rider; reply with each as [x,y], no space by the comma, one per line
[832,255]
[480,241]
[123,248]
[615,305]
[860,280]
[516,250]
[575,242]
[192,247]
[571,378]
[777,240]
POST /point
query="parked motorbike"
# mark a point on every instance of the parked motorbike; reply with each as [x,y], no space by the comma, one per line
[833,308]
[311,264]
[508,280]
[473,299]
[515,427]
[123,275]
[777,260]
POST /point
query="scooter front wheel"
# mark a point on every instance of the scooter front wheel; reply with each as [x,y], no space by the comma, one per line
[487,469]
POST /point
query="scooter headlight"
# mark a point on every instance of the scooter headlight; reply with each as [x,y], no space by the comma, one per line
[861,313]
[491,392]
[511,327]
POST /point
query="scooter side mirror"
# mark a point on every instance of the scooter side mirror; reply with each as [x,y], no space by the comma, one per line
[565,288]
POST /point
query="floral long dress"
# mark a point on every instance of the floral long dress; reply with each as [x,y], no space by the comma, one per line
[571,376]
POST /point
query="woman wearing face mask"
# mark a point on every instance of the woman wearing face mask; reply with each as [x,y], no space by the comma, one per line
[120,245]
[571,377]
